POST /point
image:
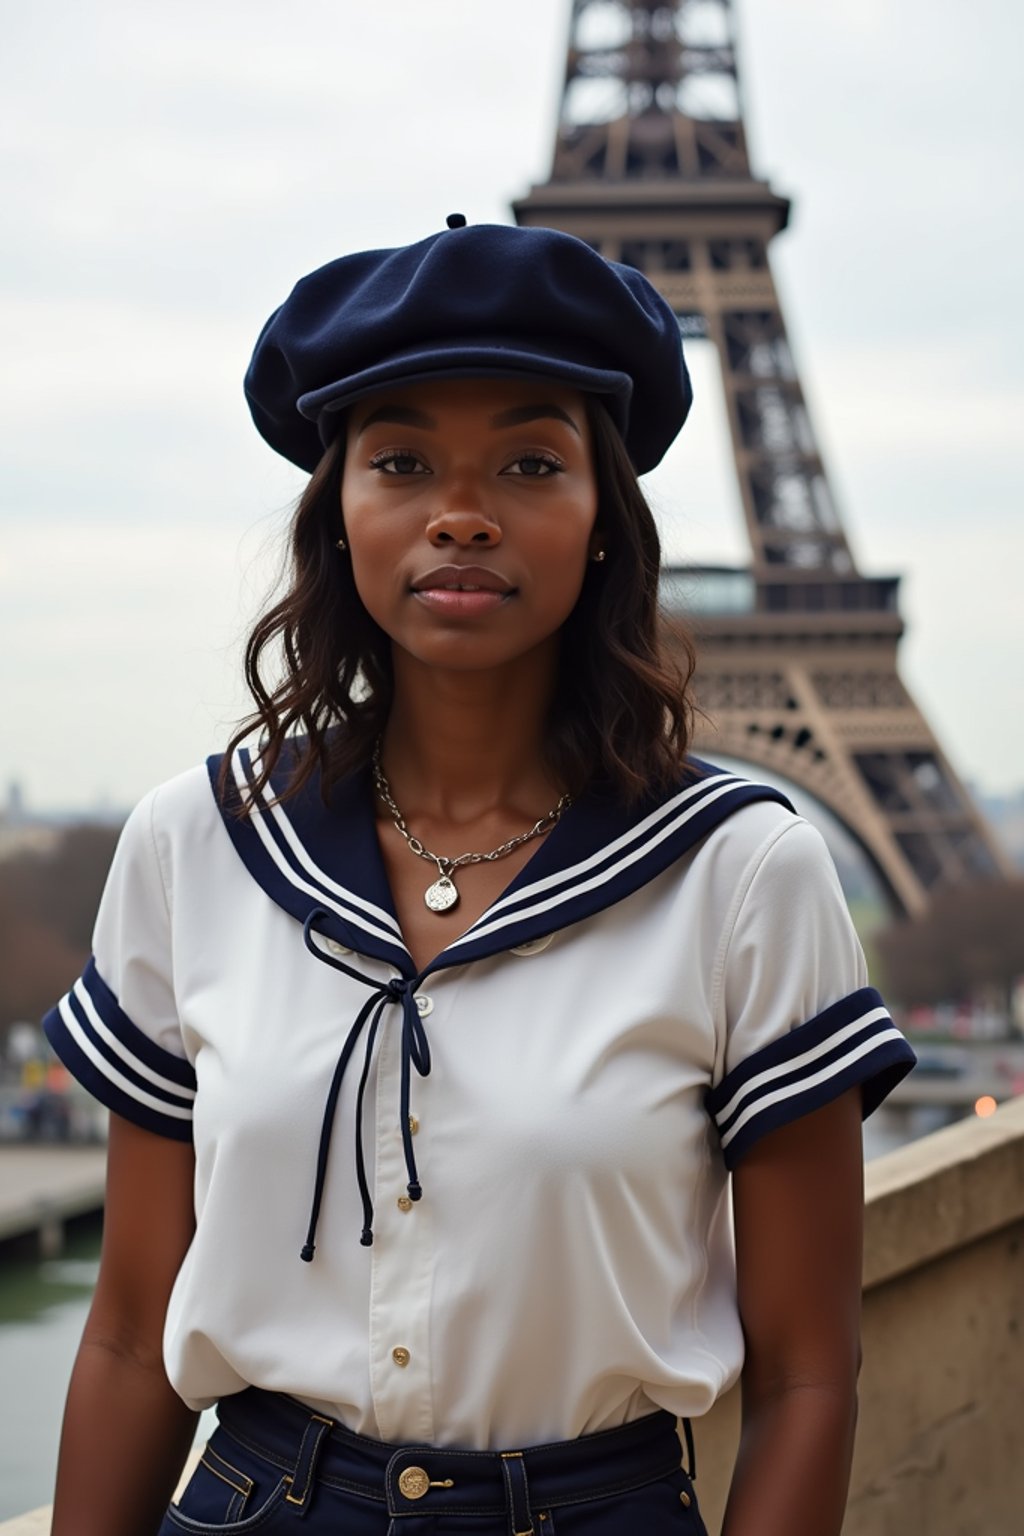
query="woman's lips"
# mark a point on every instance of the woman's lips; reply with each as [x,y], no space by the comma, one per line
[462,591]
[459,602]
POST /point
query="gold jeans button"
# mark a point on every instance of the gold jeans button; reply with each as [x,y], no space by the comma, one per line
[413,1483]
[685,1500]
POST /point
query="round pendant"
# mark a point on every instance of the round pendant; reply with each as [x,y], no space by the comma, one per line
[441,895]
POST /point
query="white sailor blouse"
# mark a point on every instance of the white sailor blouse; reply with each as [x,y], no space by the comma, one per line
[484,1204]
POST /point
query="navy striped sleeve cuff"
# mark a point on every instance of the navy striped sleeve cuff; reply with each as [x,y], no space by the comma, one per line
[854,1041]
[119,1064]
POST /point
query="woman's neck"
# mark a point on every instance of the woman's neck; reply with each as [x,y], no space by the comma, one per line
[459,745]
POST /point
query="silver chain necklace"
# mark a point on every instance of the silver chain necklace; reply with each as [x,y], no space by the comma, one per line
[443,894]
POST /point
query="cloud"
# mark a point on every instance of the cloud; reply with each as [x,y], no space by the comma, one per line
[169,172]
[126,646]
[98,353]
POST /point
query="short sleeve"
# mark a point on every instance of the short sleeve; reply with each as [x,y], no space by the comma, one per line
[801,1024]
[117,1030]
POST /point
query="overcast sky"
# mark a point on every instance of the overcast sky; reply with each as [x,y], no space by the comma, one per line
[169,171]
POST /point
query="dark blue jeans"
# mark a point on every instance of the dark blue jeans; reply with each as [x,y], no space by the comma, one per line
[274,1466]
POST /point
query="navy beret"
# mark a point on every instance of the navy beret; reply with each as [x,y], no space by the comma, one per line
[482,299]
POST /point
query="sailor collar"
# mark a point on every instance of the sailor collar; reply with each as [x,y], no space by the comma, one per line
[312,856]
[321,862]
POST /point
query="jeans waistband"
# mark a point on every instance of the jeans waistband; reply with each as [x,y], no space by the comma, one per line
[424,1479]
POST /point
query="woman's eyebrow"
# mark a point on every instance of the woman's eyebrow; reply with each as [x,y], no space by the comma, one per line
[519,415]
[400,416]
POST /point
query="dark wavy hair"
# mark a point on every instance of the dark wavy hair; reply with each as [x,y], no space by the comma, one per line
[622,712]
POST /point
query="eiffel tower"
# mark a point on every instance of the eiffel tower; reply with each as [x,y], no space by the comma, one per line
[797,652]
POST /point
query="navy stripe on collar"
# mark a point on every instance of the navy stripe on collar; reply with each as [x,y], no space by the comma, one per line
[308,854]
[622,861]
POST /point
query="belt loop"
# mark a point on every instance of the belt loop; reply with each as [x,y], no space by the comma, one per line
[305,1463]
[691,1455]
[517,1494]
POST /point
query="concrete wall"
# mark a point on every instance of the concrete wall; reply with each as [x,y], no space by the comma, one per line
[940,1437]
[940,1440]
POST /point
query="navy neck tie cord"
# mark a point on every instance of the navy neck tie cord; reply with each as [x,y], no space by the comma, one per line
[415,1052]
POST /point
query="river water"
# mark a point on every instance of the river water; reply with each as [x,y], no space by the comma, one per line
[42,1312]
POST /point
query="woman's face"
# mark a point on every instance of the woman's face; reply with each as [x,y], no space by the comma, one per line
[469,508]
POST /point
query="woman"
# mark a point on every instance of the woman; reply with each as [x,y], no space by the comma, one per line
[472,987]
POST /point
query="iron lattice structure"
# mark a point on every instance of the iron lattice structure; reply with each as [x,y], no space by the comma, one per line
[798,651]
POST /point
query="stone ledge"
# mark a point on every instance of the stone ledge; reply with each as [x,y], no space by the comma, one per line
[35,1524]
[943,1192]
[37,1521]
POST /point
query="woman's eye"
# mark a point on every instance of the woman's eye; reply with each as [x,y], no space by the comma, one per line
[534,465]
[398,463]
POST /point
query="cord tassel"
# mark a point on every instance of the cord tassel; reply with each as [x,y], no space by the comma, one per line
[415,1052]
[366,1237]
[323,1151]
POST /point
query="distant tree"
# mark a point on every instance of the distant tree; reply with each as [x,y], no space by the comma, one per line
[969,941]
[48,905]
[37,965]
[62,888]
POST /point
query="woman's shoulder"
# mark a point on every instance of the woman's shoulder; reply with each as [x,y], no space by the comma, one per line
[180,806]
[759,825]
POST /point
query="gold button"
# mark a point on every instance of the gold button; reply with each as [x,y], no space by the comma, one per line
[685,1500]
[414,1124]
[400,1356]
[404,1203]
[413,1483]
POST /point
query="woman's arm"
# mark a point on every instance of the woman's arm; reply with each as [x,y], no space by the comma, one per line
[798,1198]
[126,1432]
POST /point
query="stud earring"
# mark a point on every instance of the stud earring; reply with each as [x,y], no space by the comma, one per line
[600,555]
[342,545]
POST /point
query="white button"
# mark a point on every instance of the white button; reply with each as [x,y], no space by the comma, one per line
[424,1005]
[336,948]
[532,946]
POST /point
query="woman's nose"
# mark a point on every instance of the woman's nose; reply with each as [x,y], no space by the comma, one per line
[462,521]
